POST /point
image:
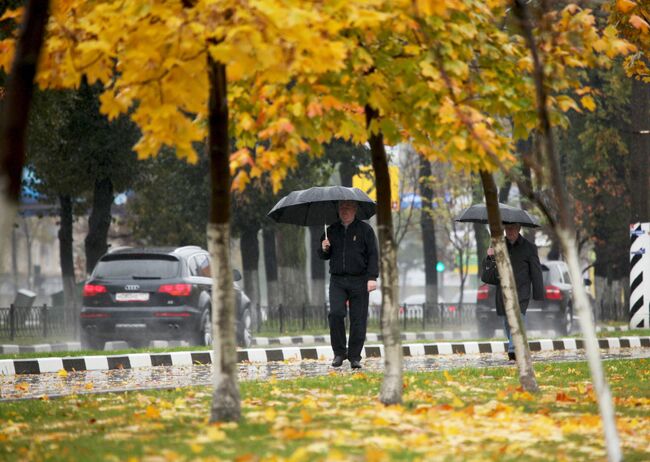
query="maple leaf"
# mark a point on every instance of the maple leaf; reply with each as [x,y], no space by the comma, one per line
[625,5]
[639,23]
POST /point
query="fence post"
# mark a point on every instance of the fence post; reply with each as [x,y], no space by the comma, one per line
[281,313]
[441,310]
[12,322]
[45,320]
[259,318]
[424,317]
[304,314]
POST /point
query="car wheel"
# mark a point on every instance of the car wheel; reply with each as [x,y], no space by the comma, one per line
[565,322]
[204,336]
[89,342]
[244,333]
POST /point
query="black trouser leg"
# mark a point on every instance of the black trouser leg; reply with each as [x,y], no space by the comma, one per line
[336,317]
[358,298]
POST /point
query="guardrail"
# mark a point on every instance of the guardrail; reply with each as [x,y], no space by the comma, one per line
[294,319]
[36,321]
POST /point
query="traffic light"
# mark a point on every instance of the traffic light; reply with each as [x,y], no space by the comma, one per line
[440,267]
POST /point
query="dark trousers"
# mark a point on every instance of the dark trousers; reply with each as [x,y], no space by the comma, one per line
[348,292]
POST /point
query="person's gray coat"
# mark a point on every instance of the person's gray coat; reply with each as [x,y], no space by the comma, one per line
[526,268]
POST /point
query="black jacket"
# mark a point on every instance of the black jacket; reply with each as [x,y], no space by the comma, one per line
[527,270]
[353,251]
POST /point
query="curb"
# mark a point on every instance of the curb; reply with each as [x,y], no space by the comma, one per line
[408,336]
[187,358]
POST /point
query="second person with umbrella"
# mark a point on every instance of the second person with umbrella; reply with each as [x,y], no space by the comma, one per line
[351,247]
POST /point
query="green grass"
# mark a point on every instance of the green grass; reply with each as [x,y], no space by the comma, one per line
[465,414]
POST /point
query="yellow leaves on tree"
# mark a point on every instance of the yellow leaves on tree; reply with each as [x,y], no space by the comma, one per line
[300,73]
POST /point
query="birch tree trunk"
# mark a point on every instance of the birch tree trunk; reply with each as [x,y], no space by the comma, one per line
[226,403]
[508,286]
[15,113]
[565,231]
[392,386]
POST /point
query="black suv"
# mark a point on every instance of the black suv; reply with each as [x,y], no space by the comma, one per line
[143,294]
[555,311]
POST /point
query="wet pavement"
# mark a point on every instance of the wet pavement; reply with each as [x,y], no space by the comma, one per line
[54,385]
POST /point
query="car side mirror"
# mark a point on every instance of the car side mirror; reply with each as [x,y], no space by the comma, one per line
[236,275]
[587,282]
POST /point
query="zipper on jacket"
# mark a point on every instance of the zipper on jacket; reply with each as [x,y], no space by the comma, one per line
[345,235]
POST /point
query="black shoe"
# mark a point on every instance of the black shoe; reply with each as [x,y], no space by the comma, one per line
[511,356]
[338,361]
[355,364]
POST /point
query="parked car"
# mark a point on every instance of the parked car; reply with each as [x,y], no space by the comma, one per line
[144,294]
[555,311]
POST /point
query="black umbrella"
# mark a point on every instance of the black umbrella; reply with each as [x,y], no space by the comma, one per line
[319,205]
[477,213]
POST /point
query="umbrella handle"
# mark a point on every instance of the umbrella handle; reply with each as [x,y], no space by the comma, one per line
[325,227]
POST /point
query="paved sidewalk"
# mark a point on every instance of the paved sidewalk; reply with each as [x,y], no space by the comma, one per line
[267,355]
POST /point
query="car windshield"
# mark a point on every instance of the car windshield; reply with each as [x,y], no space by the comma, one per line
[149,267]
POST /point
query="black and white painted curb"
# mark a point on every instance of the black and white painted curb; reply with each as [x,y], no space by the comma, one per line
[410,336]
[261,355]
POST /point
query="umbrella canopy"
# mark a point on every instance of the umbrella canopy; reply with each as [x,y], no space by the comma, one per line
[319,205]
[477,213]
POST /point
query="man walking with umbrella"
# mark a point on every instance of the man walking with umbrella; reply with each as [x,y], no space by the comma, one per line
[527,271]
[351,247]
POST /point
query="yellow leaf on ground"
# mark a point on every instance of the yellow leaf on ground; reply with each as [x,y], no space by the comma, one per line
[62,373]
[640,23]
[152,412]
[625,5]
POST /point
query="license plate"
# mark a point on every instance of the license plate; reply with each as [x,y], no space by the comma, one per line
[132,297]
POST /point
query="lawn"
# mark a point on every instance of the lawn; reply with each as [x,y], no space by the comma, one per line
[466,414]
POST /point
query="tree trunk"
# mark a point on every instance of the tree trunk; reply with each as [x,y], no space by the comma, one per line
[504,192]
[99,222]
[271,267]
[250,255]
[66,256]
[480,233]
[639,149]
[317,296]
[14,258]
[15,112]
[226,403]
[392,386]
[346,172]
[28,253]
[565,231]
[292,265]
[508,286]
[428,239]
[524,148]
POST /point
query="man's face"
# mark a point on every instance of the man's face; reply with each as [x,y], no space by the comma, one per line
[347,211]
[512,231]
